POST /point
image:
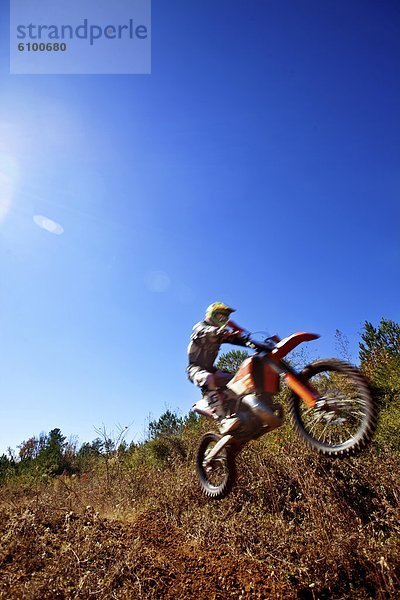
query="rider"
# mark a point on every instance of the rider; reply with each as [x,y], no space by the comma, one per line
[205,342]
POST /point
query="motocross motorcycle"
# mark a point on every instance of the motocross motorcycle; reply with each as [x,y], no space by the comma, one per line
[330,404]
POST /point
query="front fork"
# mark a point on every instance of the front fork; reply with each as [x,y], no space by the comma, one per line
[306,392]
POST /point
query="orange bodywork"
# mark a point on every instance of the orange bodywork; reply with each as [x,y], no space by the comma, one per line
[283,347]
[286,345]
[270,379]
[243,381]
[309,398]
[245,376]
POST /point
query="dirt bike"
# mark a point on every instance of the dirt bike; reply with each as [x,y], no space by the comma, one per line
[330,403]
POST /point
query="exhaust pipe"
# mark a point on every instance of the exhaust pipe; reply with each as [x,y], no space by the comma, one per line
[263,412]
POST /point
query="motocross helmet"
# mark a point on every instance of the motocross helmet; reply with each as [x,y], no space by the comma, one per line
[218,314]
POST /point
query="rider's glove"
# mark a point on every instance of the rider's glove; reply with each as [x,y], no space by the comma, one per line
[230,335]
[270,343]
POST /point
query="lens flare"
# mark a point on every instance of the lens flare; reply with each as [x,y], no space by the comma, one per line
[48,224]
[158,281]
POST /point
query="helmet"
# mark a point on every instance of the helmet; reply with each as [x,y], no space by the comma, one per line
[218,314]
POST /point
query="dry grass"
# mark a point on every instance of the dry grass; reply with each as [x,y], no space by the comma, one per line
[296,526]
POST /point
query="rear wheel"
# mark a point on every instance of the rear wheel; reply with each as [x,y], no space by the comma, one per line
[344,418]
[217,476]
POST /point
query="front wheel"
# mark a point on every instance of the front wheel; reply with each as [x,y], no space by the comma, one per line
[217,476]
[344,418]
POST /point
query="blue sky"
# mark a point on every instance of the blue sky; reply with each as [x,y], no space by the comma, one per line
[258,164]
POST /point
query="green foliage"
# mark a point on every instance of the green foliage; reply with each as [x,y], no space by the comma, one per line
[385,338]
[380,361]
[89,454]
[191,421]
[50,459]
[7,467]
[168,424]
[40,457]
[164,450]
[165,443]
[231,361]
[380,357]
[91,449]
[387,434]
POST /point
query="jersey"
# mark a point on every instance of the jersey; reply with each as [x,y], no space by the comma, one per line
[204,345]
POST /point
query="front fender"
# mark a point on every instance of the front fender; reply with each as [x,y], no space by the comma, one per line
[289,343]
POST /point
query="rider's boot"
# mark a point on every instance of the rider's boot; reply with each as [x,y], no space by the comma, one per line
[228,424]
[225,424]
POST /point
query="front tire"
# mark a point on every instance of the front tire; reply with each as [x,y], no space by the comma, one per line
[217,477]
[344,419]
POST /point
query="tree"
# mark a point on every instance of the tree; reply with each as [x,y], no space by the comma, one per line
[168,424]
[385,338]
[51,456]
[380,354]
[7,467]
[108,442]
[191,419]
[93,448]
[29,449]
[231,361]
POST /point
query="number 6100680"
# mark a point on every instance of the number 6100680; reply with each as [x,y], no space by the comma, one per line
[42,47]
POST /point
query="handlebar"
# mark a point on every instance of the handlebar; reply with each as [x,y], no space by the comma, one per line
[247,342]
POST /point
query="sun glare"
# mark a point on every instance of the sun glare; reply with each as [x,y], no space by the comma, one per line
[8,175]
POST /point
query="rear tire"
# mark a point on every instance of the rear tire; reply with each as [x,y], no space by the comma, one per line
[218,477]
[345,420]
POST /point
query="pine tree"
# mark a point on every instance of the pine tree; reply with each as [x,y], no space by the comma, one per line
[231,361]
[385,338]
[380,355]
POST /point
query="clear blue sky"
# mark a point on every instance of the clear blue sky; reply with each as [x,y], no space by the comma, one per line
[258,164]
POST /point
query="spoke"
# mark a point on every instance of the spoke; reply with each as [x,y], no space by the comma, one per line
[349,433]
[314,423]
[356,413]
[316,418]
[330,436]
[340,411]
[356,402]
[323,431]
[216,470]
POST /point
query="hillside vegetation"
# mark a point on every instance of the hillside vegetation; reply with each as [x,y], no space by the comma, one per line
[116,521]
